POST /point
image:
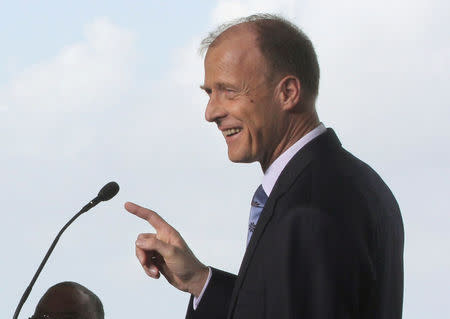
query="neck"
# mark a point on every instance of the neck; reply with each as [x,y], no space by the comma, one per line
[294,129]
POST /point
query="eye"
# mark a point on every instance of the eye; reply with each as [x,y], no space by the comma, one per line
[206,89]
[230,93]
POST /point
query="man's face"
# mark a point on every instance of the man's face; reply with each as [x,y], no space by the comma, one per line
[241,99]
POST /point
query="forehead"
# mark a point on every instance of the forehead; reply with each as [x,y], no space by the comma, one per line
[235,51]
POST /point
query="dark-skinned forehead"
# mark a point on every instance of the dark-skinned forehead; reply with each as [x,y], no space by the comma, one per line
[59,299]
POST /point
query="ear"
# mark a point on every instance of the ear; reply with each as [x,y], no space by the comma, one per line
[289,92]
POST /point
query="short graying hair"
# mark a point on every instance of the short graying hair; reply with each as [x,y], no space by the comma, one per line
[287,50]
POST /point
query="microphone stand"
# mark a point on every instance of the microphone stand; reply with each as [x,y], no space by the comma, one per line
[25,295]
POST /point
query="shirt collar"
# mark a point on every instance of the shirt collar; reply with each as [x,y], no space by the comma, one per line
[273,172]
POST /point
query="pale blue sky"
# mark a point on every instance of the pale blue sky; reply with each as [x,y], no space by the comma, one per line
[33,30]
[99,91]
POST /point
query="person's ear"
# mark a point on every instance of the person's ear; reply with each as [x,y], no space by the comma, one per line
[289,92]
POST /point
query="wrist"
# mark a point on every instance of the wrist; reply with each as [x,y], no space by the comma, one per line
[199,281]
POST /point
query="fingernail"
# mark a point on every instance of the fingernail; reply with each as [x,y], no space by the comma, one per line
[139,243]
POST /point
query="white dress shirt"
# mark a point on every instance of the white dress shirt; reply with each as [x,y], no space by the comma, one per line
[273,172]
[271,176]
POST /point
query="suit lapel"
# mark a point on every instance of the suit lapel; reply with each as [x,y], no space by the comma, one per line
[289,174]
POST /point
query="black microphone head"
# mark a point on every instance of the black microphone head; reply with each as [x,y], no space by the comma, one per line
[108,191]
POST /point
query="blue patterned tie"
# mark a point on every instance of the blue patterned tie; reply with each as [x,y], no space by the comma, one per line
[258,202]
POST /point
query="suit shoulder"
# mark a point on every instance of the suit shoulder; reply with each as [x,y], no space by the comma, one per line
[338,184]
[342,178]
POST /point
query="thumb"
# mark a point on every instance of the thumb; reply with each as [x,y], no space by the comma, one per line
[151,243]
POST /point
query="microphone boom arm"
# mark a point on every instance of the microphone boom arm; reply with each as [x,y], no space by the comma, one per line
[47,255]
[106,193]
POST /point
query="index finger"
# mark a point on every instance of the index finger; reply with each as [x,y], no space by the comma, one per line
[153,218]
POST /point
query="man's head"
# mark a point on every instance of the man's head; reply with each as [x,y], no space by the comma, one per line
[262,77]
[69,300]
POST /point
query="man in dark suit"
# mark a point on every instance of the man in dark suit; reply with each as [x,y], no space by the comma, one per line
[325,233]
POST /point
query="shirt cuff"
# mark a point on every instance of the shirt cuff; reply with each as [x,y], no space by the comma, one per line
[196,300]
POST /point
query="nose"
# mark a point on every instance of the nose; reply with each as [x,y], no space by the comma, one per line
[214,110]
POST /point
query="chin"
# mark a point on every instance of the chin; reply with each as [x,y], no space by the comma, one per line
[239,158]
[234,157]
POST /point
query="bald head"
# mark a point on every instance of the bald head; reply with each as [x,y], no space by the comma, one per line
[234,32]
[69,300]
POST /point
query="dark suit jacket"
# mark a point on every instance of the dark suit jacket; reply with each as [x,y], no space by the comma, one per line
[328,244]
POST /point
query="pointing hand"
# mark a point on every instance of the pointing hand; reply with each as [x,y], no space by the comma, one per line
[166,252]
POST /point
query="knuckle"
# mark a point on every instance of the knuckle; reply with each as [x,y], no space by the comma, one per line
[141,236]
[138,253]
[173,233]
[171,251]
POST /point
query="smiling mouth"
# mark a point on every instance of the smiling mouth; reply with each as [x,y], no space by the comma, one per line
[231,132]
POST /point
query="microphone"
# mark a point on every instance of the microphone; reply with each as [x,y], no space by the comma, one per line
[106,193]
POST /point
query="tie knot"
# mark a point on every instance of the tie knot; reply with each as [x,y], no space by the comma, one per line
[260,197]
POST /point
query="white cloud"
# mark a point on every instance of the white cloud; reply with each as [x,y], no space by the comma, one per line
[83,80]
[228,10]
[84,75]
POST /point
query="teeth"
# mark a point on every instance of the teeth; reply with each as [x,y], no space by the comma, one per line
[231,131]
